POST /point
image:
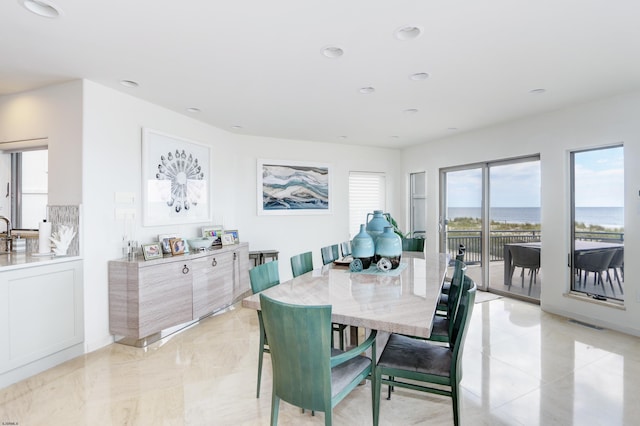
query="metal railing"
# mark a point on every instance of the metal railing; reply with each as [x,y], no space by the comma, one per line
[472,240]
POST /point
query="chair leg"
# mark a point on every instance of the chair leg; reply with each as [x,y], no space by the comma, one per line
[275,408]
[260,356]
[376,399]
[455,403]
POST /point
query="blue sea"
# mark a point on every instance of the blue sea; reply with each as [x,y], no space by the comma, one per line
[610,217]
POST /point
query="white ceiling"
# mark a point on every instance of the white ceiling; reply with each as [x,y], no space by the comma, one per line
[259,64]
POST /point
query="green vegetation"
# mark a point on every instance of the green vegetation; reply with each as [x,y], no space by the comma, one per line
[470,223]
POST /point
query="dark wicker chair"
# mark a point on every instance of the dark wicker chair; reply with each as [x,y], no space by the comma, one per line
[525,258]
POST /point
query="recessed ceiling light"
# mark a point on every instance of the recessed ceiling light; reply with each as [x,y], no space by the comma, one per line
[343,137]
[452,129]
[129,83]
[407,33]
[367,90]
[193,110]
[537,91]
[410,111]
[394,137]
[42,8]
[419,76]
[236,127]
[332,52]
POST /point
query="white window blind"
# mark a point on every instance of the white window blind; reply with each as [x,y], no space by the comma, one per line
[367,192]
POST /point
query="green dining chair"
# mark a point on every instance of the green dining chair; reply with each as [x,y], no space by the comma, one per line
[263,277]
[301,263]
[423,366]
[445,299]
[413,244]
[307,372]
[345,247]
[442,326]
[447,280]
[330,253]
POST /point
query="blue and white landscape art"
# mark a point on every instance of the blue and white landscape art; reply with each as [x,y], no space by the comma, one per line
[288,187]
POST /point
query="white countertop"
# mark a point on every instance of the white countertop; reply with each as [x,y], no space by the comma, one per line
[13,260]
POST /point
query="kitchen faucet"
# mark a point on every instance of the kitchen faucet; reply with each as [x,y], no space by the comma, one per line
[7,241]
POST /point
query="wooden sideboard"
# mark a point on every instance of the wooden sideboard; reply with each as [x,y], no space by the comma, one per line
[149,297]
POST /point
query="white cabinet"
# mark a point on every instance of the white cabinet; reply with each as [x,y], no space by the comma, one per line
[41,316]
[148,297]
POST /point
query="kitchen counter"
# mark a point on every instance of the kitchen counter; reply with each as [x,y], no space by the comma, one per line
[15,260]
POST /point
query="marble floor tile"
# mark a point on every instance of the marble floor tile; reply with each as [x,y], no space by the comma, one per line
[521,366]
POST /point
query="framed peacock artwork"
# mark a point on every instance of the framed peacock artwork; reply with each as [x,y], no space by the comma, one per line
[176,180]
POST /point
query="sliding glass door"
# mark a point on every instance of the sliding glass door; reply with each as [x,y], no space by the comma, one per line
[461,217]
[493,210]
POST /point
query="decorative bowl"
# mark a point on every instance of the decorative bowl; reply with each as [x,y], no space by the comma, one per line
[200,243]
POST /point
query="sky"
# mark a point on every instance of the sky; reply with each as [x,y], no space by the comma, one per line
[599,182]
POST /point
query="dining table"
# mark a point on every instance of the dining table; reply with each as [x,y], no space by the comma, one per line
[580,246]
[401,300]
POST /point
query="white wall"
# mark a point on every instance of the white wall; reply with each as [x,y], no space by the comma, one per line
[553,136]
[112,163]
[55,113]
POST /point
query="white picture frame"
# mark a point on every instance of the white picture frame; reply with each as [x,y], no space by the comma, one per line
[176,180]
[287,187]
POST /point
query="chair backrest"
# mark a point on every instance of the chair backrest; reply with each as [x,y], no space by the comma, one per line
[264,276]
[300,343]
[346,248]
[594,261]
[526,257]
[617,261]
[330,253]
[301,263]
[461,326]
[413,244]
[455,290]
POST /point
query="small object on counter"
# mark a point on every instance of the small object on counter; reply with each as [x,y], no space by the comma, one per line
[384,264]
[19,244]
[44,234]
[355,265]
[62,239]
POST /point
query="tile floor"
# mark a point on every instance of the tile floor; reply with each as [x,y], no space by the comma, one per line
[521,367]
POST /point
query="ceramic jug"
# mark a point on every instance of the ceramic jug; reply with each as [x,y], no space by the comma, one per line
[376,225]
[363,247]
[389,245]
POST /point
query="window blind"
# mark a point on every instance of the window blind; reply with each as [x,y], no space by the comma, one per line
[367,192]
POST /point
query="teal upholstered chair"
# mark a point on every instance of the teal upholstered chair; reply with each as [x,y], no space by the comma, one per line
[263,277]
[413,244]
[301,263]
[423,366]
[307,372]
[330,253]
[447,281]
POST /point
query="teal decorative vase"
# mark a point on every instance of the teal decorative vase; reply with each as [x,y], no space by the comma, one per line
[363,247]
[389,245]
[376,225]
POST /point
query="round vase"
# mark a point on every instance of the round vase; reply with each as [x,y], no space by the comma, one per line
[363,247]
[389,245]
[376,225]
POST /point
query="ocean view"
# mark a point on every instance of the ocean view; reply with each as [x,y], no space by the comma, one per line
[610,217]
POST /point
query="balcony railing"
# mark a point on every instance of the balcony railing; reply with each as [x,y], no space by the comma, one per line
[472,240]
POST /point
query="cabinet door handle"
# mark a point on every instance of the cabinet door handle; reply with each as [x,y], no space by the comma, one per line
[214,262]
[185,270]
